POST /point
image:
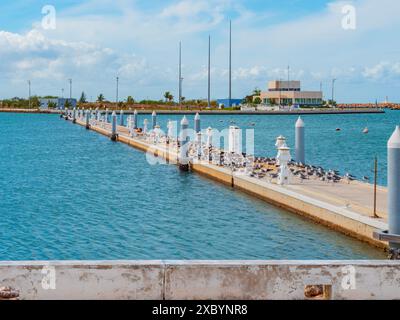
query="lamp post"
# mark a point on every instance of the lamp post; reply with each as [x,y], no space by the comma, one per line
[70,88]
[29,85]
[333,90]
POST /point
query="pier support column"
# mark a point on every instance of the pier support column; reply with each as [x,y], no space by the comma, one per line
[284,172]
[145,126]
[209,142]
[184,145]
[394,190]
[135,119]
[300,143]
[114,126]
[121,118]
[106,116]
[197,124]
[87,116]
[153,120]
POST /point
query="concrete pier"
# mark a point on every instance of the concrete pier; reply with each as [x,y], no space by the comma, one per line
[203,280]
[299,142]
[345,207]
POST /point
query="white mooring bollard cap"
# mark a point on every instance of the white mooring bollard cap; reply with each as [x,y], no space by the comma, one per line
[299,123]
[394,141]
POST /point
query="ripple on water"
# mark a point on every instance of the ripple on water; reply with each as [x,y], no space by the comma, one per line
[68,193]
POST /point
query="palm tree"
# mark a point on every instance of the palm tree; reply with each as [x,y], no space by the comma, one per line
[100,98]
[170,97]
[167,96]
[256,92]
[130,100]
[83,98]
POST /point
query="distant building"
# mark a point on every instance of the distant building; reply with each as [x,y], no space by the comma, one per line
[58,102]
[224,103]
[288,93]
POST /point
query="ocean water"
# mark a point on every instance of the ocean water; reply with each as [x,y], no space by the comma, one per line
[68,193]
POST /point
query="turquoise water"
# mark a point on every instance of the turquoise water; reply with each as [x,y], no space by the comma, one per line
[68,193]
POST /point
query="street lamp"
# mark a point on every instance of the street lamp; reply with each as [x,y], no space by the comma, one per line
[29,85]
[333,90]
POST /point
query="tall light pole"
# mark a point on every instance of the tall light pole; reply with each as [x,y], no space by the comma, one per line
[333,90]
[70,88]
[209,72]
[117,98]
[230,63]
[180,74]
[29,86]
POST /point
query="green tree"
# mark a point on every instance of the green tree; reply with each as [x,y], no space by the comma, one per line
[67,104]
[130,100]
[257,100]
[83,98]
[52,105]
[167,96]
[100,98]
[256,92]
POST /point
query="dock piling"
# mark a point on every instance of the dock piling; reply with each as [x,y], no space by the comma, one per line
[121,118]
[135,119]
[184,145]
[153,119]
[87,115]
[197,124]
[300,143]
[114,126]
[394,189]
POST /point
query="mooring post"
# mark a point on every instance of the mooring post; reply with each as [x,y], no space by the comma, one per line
[87,115]
[184,145]
[121,118]
[153,119]
[197,124]
[135,119]
[209,142]
[300,143]
[394,189]
[199,145]
[106,116]
[74,115]
[114,126]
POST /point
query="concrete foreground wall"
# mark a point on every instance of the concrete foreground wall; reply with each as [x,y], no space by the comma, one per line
[174,280]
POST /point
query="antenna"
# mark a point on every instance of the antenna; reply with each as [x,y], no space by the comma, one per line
[230,63]
[209,71]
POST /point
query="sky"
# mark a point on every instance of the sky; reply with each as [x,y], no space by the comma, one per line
[94,41]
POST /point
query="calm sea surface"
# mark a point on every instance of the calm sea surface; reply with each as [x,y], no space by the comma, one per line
[68,193]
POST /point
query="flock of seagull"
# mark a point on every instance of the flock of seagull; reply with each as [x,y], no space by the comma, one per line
[267,167]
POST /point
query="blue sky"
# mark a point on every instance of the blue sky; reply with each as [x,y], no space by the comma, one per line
[96,40]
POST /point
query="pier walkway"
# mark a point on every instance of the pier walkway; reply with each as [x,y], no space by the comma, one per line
[344,206]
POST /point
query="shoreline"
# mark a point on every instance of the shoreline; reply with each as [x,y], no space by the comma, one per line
[217,112]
